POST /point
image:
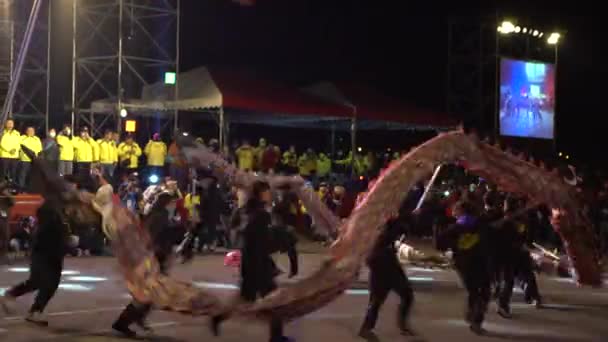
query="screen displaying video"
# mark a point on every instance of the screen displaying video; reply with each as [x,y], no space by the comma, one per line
[527,99]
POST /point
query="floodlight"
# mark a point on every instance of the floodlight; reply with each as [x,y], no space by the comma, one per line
[506,27]
[123,113]
[517,29]
[535,33]
[553,38]
[541,35]
[525,30]
[170,78]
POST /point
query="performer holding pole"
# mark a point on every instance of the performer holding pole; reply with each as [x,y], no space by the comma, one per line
[471,261]
[257,267]
[162,231]
[48,250]
[385,275]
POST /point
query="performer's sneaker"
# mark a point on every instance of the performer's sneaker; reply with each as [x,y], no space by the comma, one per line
[144,326]
[477,329]
[504,313]
[367,334]
[124,330]
[215,324]
[7,303]
[37,318]
[538,303]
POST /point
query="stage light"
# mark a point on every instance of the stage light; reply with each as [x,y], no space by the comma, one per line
[525,30]
[170,78]
[185,134]
[446,193]
[153,179]
[541,35]
[517,29]
[506,27]
[553,38]
[561,154]
[535,33]
[361,178]
[360,149]
[123,113]
[567,156]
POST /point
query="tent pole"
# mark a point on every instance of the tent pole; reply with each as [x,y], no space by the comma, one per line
[222,128]
[177,70]
[333,139]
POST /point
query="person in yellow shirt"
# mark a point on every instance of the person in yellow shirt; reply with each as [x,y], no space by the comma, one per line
[307,163]
[156,153]
[290,160]
[85,153]
[108,154]
[31,141]
[66,151]
[245,156]
[128,155]
[9,150]
[323,165]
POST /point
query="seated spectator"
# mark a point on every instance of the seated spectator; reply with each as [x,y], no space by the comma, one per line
[21,239]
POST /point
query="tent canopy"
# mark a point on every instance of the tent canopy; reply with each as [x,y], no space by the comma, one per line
[370,105]
[208,88]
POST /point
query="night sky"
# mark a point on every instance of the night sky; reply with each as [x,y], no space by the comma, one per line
[398,47]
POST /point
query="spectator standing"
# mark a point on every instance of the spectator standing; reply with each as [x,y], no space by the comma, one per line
[156,153]
[323,166]
[85,150]
[31,141]
[245,156]
[128,154]
[66,151]
[9,150]
[270,158]
[290,160]
[50,149]
[307,163]
[259,154]
[108,155]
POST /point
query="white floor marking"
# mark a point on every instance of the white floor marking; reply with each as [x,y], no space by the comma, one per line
[86,279]
[69,313]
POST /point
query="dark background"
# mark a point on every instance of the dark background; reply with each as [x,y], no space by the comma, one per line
[399,47]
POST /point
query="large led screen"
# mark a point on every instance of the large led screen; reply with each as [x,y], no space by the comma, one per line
[527,99]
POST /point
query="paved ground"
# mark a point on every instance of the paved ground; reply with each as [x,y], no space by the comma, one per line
[92,294]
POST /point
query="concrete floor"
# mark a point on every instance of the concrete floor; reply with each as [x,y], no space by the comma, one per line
[92,294]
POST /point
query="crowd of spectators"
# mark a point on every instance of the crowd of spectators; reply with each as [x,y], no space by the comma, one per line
[205,202]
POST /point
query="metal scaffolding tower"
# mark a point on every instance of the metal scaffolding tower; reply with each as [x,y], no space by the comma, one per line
[30,105]
[118,47]
[472,67]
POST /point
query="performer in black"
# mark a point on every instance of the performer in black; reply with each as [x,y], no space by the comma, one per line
[386,274]
[467,241]
[283,240]
[162,231]
[257,267]
[48,250]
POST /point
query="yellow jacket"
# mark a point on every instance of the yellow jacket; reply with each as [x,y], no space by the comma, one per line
[307,164]
[108,153]
[66,148]
[33,143]
[245,156]
[290,159]
[130,153]
[190,203]
[85,151]
[10,141]
[156,152]
[323,165]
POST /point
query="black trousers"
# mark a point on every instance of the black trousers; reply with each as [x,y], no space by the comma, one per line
[476,278]
[382,279]
[523,271]
[9,168]
[253,286]
[506,280]
[45,275]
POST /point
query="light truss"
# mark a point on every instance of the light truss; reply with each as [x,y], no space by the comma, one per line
[30,106]
[119,46]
